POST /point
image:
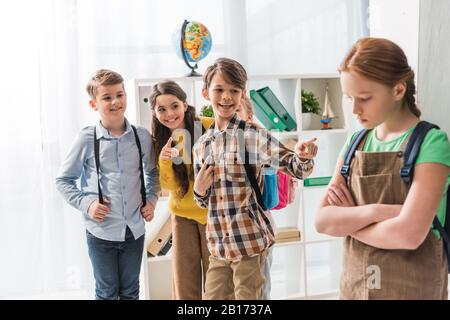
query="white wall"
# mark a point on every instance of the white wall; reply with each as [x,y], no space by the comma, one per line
[236,32]
[398,21]
[422,29]
[434,62]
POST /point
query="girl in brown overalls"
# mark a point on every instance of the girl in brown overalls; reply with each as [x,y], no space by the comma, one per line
[390,251]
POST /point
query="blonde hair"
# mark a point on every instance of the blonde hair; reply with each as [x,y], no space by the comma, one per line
[102,77]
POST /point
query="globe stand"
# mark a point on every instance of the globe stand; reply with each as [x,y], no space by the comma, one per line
[193,73]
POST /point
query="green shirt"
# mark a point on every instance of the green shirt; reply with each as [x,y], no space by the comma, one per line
[435,148]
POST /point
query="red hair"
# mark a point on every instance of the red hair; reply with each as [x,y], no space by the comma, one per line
[383,61]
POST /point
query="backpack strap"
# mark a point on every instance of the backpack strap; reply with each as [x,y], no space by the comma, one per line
[141,169]
[444,231]
[250,173]
[345,169]
[97,165]
[412,150]
[407,172]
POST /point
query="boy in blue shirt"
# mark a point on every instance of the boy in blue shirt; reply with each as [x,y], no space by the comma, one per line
[112,159]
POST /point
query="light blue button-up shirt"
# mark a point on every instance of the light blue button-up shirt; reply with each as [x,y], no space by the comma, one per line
[119,179]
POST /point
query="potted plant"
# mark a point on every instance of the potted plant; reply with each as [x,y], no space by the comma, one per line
[310,111]
[207,111]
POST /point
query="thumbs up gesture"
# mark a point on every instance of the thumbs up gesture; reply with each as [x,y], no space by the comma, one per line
[167,152]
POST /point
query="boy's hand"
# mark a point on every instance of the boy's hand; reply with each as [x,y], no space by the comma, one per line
[306,150]
[339,195]
[204,179]
[147,212]
[98,211]
[167,152]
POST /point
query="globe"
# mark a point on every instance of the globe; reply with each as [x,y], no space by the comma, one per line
[192,42]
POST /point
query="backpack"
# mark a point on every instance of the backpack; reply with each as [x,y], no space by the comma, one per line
[407,171]
[270,191]
[284,190]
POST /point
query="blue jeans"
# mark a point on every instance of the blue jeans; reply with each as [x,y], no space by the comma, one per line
[116,266]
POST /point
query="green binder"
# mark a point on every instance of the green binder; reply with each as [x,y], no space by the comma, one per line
[318,181]
[265,114]
[278,108]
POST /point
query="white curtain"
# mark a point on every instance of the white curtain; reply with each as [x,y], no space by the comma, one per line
[51,47]
[49,50]
[302,36]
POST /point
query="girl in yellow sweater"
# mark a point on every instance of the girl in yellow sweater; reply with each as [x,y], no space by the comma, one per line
[175,129]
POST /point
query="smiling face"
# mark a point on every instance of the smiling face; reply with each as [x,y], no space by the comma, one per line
[373,103]
[170,111]
[111,102]
[224,96]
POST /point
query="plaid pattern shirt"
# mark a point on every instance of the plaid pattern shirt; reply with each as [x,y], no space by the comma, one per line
[237,225]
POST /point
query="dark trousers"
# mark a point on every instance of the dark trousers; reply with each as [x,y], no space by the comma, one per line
[116,266]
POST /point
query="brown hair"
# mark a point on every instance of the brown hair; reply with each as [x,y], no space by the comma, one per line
[247,105]
[232,71]
[161,133]
[102,77]
[383,61]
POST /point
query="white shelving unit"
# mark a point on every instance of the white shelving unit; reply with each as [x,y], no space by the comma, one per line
[305,269]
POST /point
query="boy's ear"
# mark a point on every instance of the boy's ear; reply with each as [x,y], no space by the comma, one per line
[399,91]
[205,94]
[93,104]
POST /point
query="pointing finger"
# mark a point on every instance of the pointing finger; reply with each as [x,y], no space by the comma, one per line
[310,141]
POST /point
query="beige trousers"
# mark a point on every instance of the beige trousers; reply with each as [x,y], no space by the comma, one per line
[240,280]
[189,258]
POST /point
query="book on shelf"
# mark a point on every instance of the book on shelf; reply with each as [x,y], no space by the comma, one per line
[162,242]
[318,181]
[265,114]
[287,234]
[276,105]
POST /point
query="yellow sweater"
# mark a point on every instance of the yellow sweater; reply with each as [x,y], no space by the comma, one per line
[184,207]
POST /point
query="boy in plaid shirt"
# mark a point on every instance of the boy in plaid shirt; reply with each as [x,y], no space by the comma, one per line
[238,233]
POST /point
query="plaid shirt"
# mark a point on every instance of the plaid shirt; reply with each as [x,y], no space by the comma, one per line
[237,225]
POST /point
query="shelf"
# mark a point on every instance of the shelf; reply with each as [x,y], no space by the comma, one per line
[314,187]
[293,76]
[324,265]
[301,269]
[284,134]
[328,239]
[311,132]
[288,243]
[330,295]
[286,274]
[159,258]
[151,81]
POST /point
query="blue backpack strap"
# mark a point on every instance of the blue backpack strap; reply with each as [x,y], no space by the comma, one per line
[412,150]
[345,169]
[407,172]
